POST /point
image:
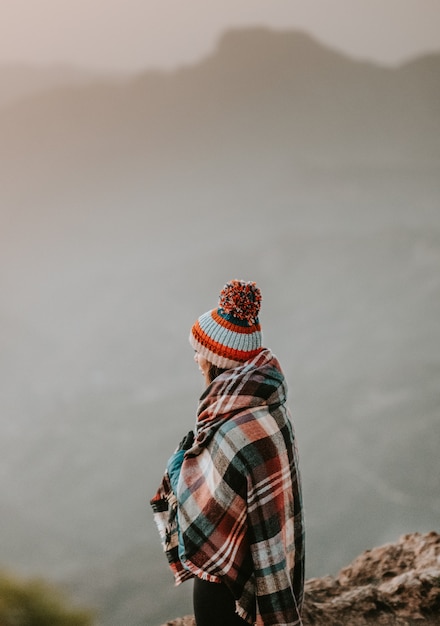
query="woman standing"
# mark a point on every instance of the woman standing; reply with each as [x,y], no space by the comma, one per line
[229,508]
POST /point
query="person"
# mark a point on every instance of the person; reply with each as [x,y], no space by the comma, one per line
[229,508]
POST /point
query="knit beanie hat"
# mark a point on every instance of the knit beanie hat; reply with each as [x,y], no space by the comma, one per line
[231,333]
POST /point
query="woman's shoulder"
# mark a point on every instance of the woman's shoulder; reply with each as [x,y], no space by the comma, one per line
[249,433]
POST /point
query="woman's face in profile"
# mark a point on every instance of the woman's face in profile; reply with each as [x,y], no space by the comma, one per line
[204,366]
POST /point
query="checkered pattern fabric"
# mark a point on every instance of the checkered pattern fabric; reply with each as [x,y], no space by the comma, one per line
[238,504]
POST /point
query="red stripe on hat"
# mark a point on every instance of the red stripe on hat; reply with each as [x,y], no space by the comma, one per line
[219,348]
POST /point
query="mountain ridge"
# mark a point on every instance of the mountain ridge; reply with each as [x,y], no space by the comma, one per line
[18,81]
[233,110]
[255,68]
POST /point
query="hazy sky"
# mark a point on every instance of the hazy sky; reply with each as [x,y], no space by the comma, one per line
[137,34]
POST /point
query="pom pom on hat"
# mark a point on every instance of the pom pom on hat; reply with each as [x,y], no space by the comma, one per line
[241,300]
[231,334]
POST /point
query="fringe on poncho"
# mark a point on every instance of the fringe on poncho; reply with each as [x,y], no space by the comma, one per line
[238,506]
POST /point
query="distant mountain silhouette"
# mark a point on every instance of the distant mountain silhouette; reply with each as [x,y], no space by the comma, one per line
[261,97]
[18,81]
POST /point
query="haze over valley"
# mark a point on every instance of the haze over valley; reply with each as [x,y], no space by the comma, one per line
[126,203]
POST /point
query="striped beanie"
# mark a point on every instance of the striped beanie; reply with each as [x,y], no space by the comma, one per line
[231,333]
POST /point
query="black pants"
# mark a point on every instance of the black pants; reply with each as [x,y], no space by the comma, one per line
[214,605]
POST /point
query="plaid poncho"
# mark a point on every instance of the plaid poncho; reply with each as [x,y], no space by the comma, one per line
[238,505]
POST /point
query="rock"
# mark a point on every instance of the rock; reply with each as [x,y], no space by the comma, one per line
[188,620]
[397,584]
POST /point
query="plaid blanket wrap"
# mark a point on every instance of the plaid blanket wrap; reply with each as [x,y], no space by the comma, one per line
[238,505]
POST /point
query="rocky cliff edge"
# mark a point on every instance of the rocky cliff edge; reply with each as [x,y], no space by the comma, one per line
[396,584]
